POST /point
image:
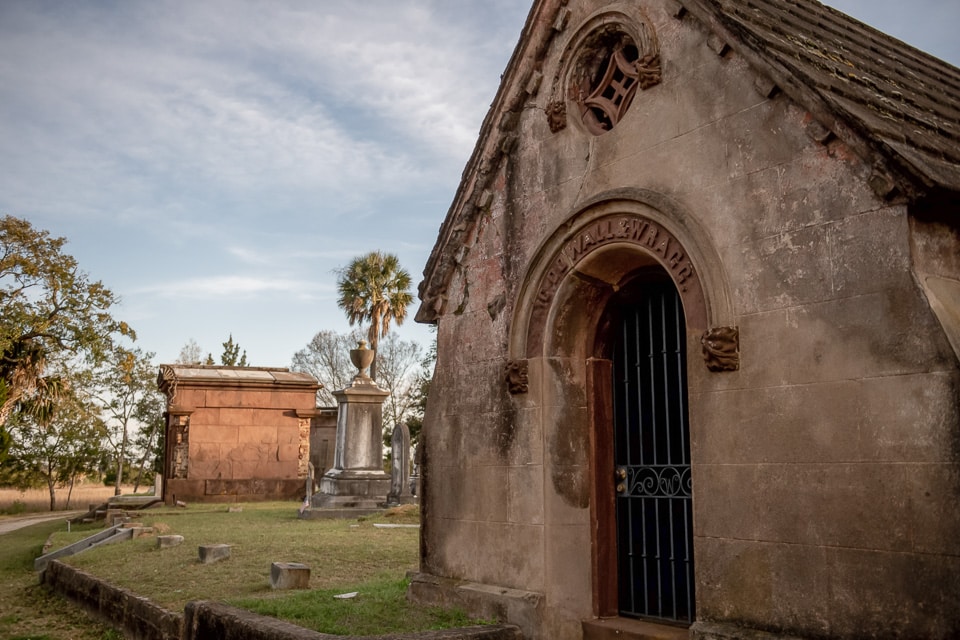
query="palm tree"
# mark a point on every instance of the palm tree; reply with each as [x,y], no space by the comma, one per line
[374,288]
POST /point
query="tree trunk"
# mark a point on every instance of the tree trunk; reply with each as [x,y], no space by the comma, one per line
[143,460]
[52,486]
[120,456]
[116,485]
[73,479]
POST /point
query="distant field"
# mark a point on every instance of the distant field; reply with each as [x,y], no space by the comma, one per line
[39,499]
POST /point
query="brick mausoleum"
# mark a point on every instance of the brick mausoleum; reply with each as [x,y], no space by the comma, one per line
[242,433]
[698,309]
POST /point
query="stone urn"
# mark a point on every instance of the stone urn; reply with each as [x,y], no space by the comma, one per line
[362,358]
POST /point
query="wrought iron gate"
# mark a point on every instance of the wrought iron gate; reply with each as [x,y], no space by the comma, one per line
[652,456]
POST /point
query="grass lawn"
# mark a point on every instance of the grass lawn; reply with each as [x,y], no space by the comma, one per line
[343,555]
[28,612]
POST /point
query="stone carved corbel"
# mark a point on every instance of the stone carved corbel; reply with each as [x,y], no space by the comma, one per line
[721,348]
[556,115]
[517,376]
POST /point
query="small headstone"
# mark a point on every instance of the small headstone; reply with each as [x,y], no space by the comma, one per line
[138,529]
[400,471]
[165,542]
[234,509]
[210,553]
[289,575]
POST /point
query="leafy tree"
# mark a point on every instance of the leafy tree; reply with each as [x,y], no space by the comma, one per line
[190,353]
[150,441]
[374,289]
[129,399]
[231,354]
[421,391]
[48,308]
[58,446]
[327,358]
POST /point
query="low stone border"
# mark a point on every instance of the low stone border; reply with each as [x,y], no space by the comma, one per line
[216,620]
[140,619]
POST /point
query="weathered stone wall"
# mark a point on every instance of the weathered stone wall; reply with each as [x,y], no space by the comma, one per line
[826,469]
[238,434]
[244,434]
[139,618]
[323,440]
[214,620]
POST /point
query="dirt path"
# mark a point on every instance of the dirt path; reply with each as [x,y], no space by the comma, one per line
[18,522]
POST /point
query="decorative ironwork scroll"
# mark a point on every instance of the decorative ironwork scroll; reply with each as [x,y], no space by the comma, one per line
[656,481]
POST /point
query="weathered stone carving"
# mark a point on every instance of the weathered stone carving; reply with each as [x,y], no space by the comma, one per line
[556,116]
[518,380]
[180,430]
[303,451]
[631,229]
[721,348]
[167,382]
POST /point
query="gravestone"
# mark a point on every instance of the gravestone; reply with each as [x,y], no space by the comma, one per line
[289,575]
[210,553]
[400,490]
[166,542]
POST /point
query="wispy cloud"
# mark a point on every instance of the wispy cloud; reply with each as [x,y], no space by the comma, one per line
[202,101]
[231,286]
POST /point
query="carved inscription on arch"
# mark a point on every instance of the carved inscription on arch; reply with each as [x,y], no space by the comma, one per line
[631,229]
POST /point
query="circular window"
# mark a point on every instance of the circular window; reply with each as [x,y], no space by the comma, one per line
[609,67]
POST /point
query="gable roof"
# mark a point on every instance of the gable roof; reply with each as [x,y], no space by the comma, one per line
[894,105]
[902,103]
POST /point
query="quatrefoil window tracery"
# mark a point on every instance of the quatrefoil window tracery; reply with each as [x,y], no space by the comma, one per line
[611,63]
[610,96]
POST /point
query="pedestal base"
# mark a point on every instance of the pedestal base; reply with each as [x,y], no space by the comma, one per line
[341,489]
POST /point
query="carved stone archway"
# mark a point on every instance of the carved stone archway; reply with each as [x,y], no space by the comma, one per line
[586,260]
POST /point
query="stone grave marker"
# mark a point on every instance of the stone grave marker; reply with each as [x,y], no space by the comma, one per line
[289,575]
[210,553]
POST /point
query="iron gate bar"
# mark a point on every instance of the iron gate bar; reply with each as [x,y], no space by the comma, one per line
[653,504]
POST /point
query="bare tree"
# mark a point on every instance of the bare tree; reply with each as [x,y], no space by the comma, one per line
[327,358]
[190,353]
[400,362]
[127,392]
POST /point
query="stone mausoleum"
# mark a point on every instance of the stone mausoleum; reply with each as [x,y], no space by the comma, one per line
[698,308]
[242,433]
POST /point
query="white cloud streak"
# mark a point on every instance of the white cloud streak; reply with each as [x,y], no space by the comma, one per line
[231,287]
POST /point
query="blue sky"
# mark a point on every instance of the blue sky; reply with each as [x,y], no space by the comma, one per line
[214,162]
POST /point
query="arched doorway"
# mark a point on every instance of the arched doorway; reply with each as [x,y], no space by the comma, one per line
[580,285]
[652,519]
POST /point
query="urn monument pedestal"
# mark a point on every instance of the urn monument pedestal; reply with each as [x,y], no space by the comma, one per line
[357,479]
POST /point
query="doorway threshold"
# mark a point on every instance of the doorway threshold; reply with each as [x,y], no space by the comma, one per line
[631,629]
